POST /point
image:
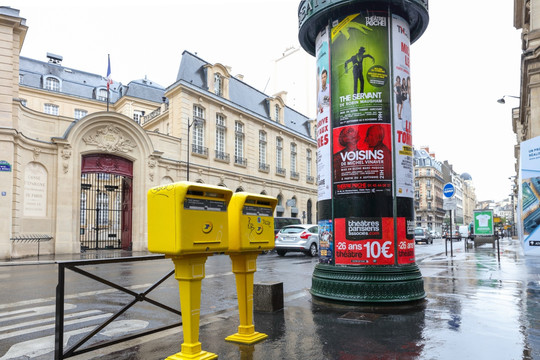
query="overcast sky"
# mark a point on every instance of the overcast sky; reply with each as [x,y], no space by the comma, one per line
[467,59]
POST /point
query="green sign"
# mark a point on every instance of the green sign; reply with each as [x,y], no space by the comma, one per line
[483,222]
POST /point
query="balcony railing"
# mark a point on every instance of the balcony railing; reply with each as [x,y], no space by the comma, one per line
[295,175]
[281,171]
[222,156]
[238,160]
[264,167]
[200,150]
[155,113]
[310,179]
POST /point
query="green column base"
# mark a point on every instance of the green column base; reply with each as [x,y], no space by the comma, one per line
[368,284]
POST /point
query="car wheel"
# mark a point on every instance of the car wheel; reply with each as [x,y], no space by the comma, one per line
[312,250]
[281,252]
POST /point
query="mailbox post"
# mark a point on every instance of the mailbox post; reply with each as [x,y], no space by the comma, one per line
[189,222]
[251,230]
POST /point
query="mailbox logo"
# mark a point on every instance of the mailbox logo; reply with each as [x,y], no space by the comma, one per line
[207,227]
[259,229]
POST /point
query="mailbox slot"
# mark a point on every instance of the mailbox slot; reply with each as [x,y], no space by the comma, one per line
[251,222]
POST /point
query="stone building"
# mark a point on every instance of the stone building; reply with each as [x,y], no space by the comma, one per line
[76,160]
[428,185]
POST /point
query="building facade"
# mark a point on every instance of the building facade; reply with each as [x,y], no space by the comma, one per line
[77,160]
[428,185]
[430,177]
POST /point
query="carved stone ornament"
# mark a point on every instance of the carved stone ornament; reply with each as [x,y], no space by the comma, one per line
[36,152]
[111,139]
[66,152]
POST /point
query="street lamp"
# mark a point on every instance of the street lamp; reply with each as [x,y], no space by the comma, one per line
[501,100]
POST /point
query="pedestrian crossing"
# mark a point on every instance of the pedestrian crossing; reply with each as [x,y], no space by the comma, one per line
[29,332]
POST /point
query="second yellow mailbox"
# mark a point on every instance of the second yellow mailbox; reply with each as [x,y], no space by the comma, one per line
[251,222]
[188,218]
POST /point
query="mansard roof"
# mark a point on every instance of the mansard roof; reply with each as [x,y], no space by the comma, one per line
[192,72]
[83,84]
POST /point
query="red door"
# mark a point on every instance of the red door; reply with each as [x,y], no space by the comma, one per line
[106,202]
[126,213]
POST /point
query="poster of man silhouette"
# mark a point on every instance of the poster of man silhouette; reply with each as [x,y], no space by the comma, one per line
[360,69]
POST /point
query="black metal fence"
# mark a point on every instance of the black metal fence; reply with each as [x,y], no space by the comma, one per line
[101,211]
[75,349]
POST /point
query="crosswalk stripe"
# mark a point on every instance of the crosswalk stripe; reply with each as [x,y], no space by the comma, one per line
[46,320]
[51,326]
[67,297]
[23,313]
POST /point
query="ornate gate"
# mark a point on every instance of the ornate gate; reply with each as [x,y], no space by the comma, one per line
[106,207]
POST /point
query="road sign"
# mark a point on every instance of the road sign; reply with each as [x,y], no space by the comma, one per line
[449,190]
[449,203]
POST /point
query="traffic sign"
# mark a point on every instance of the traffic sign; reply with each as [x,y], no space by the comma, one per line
[449,190]
[449,203]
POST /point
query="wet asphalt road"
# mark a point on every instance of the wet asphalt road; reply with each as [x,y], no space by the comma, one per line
[476,308]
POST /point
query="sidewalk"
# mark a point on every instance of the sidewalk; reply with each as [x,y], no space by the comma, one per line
[476,308]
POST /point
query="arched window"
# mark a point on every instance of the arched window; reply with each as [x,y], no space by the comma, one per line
[218,84]
[52,84]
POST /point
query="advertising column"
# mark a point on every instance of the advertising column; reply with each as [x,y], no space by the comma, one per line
[365,155]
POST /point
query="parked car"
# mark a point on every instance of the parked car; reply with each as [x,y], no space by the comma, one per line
[300,237]
[280,222]
[422,235]
[435,234]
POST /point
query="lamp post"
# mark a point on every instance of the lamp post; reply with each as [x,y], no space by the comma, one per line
[502,101]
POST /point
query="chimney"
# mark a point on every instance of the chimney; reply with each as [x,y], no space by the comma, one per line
[54,59]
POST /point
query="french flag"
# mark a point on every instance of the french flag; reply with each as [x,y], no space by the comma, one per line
[109,79]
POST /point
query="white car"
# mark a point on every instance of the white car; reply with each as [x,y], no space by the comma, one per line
[301,237]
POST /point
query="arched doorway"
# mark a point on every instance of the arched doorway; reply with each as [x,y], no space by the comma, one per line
[106,202]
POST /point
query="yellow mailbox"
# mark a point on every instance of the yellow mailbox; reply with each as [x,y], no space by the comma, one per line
[188,218]
[251,222]
[251,229]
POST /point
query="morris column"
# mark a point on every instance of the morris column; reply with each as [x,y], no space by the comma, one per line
[364,154]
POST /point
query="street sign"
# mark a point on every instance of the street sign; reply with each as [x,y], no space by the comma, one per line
[449,190]
[449,203]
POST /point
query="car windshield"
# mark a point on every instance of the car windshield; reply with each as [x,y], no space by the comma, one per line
[292,230]
[418,232]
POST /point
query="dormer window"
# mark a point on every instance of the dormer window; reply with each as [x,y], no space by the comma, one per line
[276,107]
[101,94]
[218,77]
[52,84]
[218,84]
